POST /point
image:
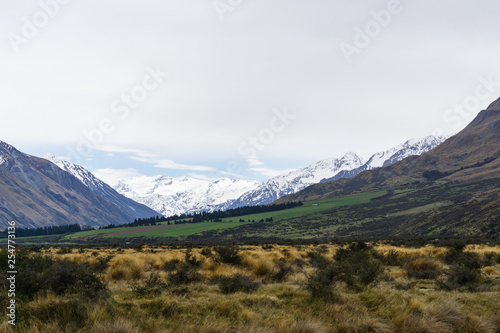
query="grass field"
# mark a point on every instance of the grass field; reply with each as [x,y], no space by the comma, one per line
[311,207]
[182,230]
[154,231]
[158,289]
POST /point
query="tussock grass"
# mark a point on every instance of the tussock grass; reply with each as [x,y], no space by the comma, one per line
[279,305]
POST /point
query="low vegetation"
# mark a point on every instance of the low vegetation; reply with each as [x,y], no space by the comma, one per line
[353,287]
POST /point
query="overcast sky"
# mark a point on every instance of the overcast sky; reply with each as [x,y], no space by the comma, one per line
[239,87]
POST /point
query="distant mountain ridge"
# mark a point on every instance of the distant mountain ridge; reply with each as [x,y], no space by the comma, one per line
[170,195]
[330,169]
[413,147]
[36,193]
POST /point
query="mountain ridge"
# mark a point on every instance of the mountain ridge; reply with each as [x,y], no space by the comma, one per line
[37,193]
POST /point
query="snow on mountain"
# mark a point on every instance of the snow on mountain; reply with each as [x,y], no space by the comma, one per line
[400,152]
[102,189]
[331,169]
[172,196]
[276,187]
[395,154]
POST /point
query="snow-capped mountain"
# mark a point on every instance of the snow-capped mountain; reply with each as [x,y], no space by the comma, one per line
[171,196]
[276,187]
[395,154]
[330,169]
[100,188]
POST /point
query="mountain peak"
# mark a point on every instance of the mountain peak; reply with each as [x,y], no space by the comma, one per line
[351,156]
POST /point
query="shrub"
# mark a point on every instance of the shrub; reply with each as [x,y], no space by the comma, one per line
[236,283]
[171,265]
[357,265]
[39,272]
[228,254]
[465,271]
[192,260]
[186,274]
[66,275]
[321,284]
[207,252]
[102,264]
[391,258]
[284,270]
[422,268]
[152,285]
[317,259]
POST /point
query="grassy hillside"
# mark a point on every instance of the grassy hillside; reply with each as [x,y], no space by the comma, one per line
[180,230]
[439,209]
[311,207]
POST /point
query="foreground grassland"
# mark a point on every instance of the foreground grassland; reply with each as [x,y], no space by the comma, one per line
[269,288]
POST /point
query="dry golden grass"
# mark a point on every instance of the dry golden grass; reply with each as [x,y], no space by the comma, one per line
[275,307]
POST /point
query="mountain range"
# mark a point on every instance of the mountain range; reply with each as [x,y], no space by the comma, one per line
[330,169]
[450,191]
[171,196]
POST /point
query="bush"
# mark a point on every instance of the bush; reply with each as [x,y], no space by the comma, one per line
[228,254]
[317,259]
[152,285]
[236,283]
[357,265]
[38,273]
[284,270]
[186,274]
[192,260]
[391,258]
[321,284]
[207,252]
[70,276]
[465,270]
[422,268]
[171,265]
